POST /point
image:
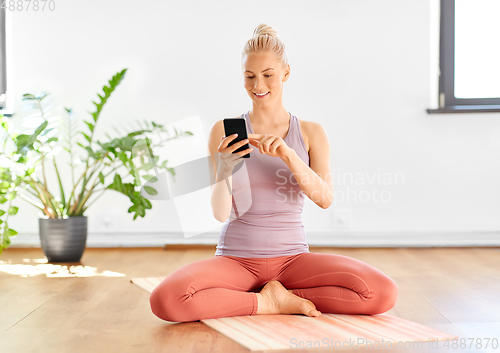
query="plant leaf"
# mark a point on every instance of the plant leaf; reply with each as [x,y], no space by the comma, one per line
[90,125]
[150,190]
[87,137]
[13,210]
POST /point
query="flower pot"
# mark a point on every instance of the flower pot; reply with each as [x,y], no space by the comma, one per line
[63,239]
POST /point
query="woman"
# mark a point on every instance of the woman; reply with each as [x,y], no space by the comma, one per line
[263,264]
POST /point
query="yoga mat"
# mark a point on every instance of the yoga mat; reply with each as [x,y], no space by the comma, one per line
[329,331]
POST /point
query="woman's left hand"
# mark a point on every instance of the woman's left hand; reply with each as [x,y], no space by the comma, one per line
[271,145]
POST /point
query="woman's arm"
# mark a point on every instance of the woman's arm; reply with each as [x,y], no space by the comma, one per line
[315,181]
[220,199]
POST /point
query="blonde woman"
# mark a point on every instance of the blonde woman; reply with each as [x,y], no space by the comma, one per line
[262,264]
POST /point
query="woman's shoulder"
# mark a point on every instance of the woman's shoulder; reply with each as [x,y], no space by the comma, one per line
[307,128]
[312,131]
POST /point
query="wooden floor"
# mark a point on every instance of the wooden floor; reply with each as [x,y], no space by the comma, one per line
[93,306]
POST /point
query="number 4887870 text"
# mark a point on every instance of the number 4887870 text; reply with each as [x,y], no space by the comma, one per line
[28,5]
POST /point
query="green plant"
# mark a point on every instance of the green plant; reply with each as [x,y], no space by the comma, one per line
[23,155]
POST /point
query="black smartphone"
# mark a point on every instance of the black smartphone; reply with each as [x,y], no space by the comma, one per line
[237,126]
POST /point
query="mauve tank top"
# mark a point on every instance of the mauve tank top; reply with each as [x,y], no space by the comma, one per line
[272,225]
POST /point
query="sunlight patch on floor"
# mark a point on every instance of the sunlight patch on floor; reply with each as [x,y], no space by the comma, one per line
[37,267]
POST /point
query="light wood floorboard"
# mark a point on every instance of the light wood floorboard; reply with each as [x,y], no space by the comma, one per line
[456,290]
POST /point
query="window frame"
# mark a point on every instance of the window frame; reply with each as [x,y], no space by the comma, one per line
[448,103]
[6,62]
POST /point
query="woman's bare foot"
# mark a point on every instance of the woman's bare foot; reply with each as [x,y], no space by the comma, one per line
[274,298]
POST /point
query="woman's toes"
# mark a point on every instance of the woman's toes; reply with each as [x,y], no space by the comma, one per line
[308,308]
[277,299]
[314,312]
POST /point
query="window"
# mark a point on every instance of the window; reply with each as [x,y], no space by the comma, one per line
[3,60]
[6,99]
[469,54]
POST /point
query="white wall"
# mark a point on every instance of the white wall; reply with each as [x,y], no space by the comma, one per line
[360,68]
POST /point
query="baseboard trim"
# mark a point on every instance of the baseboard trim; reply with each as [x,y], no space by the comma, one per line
[314,238]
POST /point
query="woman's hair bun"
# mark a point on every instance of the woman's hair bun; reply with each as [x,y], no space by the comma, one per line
[264,29]
[265,38]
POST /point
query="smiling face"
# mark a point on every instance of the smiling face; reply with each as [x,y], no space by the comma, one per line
[264,73]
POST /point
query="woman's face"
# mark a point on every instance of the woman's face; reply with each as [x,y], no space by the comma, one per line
[263,72]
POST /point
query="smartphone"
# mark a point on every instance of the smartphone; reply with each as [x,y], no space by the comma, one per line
[237,126]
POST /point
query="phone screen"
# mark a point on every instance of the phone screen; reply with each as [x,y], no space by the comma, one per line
[237,126]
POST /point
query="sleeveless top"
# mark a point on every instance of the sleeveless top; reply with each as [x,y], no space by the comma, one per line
[271,223]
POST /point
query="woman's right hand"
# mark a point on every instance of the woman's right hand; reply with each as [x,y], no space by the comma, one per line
[228,160]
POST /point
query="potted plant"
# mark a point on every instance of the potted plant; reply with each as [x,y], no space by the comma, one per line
[24,159]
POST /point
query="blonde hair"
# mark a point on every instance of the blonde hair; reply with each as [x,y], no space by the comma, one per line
[265,38]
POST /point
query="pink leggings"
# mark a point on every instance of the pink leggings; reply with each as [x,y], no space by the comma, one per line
[226,286]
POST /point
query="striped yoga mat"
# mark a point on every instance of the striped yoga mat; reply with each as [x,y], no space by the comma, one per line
[333,331]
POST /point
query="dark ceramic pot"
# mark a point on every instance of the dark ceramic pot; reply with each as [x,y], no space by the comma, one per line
[63,239]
